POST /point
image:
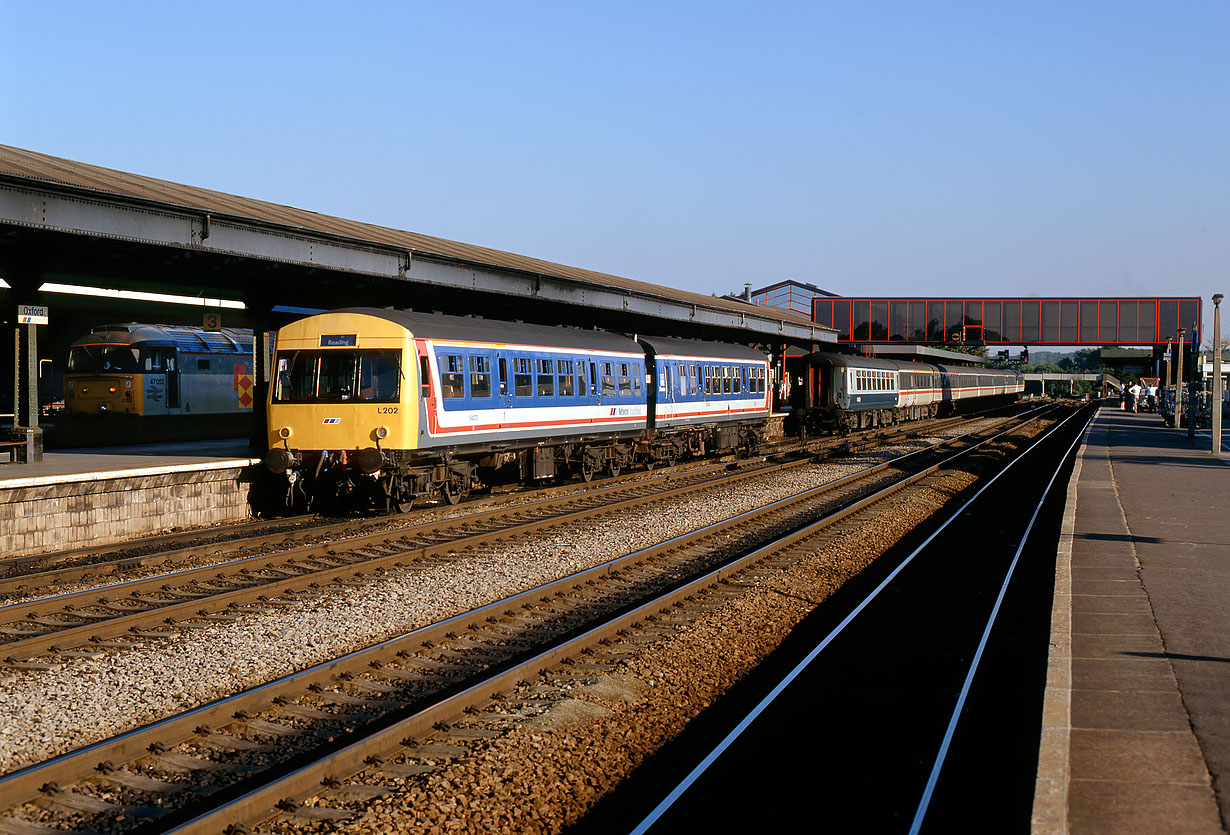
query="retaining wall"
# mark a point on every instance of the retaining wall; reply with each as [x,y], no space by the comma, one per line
[56,512]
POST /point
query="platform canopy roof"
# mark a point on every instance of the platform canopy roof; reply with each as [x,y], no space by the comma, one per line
[58,216]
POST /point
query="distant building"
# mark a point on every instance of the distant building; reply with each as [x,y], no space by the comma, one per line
[795,296]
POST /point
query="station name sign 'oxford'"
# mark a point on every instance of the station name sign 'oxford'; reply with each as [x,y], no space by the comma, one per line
[29,314]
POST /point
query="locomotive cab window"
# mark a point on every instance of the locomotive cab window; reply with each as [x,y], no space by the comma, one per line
[337,376]
[158,360]
[92,359]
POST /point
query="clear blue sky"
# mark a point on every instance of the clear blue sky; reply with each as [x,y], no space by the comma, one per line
[1072,148]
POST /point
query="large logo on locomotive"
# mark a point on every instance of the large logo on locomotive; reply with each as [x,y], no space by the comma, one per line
[243,386]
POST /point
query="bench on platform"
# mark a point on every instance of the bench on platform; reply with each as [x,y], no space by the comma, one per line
[12,447]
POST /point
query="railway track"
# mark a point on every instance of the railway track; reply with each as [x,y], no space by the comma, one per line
[941,652]
[392,699]
[225,587]
[37,573]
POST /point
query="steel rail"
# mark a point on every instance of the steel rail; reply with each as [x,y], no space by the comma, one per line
[17,581]
[760,707]
[255,589]
[951,729]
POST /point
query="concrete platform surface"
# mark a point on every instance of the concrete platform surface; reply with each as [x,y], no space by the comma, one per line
[93,462]
[1136,733]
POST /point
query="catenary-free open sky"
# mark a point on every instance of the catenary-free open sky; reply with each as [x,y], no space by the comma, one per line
[964,148]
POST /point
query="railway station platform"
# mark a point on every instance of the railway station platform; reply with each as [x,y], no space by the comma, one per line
[1136,728]
[76,498]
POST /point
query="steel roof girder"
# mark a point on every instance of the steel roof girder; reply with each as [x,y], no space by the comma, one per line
[81,215]
[548,288]
[305,250]
[203,232]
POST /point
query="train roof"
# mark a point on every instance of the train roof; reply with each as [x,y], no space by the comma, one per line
[441,326]
[184,337]
[671,345]
[970,369]
[859,361]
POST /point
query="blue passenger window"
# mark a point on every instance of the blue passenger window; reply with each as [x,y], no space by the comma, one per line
[480,376]
[608,378]
[522,379]
[565,377]
[625,381]
[546,378]
[452,377]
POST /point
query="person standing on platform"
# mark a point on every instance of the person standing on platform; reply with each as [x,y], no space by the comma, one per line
[1134,397]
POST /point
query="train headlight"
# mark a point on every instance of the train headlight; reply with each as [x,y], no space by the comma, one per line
[112,389]
[284,432]
[382,432]
[85,389]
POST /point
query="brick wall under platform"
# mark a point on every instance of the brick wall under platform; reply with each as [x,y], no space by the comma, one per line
[54,513]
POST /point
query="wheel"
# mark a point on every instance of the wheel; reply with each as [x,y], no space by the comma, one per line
[649,463]
[587,471]
[395,495]
[614,470]
[450,495]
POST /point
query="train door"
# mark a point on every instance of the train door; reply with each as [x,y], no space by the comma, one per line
[173,388]
[654,394]
[504,389]
[160,389]
[522,389]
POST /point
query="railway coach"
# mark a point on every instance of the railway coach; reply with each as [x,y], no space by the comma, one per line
[373,406]
[847,392]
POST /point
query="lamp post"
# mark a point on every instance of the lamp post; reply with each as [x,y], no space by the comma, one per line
[1217,387]
[1178,384]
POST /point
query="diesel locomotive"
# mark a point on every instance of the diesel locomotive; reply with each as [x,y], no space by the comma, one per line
[158,381]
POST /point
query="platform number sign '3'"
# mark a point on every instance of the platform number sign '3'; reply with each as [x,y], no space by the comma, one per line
[213,322]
